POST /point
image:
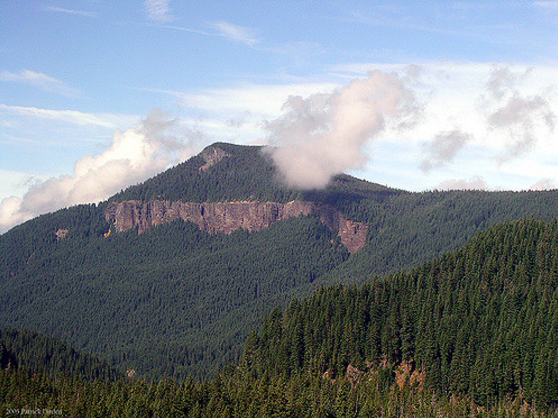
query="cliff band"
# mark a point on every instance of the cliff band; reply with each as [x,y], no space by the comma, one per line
[215,217]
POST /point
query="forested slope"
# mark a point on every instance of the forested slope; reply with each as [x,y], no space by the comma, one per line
[175,300]
[34,353]
[471,333]
[481,321]
[407,229]
[244,173]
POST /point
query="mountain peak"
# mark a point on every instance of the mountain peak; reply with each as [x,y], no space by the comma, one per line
[225,172]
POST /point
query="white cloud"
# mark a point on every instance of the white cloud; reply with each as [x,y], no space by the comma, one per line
[455,100]
[443,148]
[547,5]
[15,182]
[11,213]
[522,117]
[236,33]
[133,156]
[40,80]
[325,134]
[158,10]
[506,113]
[184,29]
[83,13]
[264,100]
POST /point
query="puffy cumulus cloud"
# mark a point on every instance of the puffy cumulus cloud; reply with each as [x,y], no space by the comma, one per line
[134,155]
[475,183]
[324,134]
[522,117]
[11,213]
[443,148]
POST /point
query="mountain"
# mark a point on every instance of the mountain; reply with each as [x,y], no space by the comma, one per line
[470,333]
[169,276]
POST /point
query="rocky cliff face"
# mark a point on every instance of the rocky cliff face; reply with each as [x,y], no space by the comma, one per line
[228,216]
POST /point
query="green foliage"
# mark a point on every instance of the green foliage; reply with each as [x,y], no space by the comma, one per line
[247,174]
[236,395]
[480,321]
[37,237]
[36,353]
[173,300]
[471,333]
[408,229]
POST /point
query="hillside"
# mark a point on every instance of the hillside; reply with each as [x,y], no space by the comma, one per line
[171,300]
[179,299]
[478,322]
[471,333]
[34,353]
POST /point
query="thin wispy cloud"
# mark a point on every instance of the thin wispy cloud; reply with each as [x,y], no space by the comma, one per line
[84,13]
[236,33]
[40,80]
[158,10]
[402,24]
[183,29]
[443,148]
[72,117]
[491,33]
[547,5]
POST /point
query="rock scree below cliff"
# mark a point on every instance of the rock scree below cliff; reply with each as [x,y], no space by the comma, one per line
[226,217]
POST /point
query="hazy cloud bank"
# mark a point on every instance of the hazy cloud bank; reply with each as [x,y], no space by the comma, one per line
[522,117]
[475,183]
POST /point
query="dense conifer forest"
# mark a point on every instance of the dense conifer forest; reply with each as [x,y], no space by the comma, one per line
[480,321]
[157,301]
[471,333]
[36,353]
[180,302]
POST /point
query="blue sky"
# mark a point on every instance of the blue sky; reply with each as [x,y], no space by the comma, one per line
[96,95]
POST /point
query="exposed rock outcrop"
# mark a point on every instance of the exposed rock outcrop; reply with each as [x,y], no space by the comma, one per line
[212,155]
[226,217]
[61,234]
